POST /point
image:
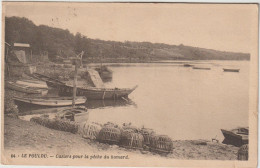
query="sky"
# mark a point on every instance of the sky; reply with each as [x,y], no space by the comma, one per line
[225,27]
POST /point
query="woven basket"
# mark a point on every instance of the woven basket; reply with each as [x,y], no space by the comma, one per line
[89,130]
[243,152]
[147,134]
[110,135]
[131,140]
[161,144]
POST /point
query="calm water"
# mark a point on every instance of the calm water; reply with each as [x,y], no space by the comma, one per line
[178,101]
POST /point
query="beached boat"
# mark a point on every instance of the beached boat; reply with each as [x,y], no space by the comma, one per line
[230,70]
[96,93]
[236,137]
[25,88]
[202,68]
[51,82]
[33,83]
[48,101]
[77,114]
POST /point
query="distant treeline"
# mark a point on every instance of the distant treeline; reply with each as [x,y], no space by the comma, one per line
[62,43]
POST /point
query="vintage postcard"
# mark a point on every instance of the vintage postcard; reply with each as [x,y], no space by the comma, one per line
[129,84]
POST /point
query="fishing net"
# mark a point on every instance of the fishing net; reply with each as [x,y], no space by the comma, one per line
[57,124]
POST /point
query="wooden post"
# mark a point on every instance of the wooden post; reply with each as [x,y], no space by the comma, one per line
[75,84]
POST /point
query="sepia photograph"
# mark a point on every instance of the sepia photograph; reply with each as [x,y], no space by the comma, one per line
[129,84]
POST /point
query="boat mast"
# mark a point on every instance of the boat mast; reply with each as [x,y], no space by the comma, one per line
[77,62]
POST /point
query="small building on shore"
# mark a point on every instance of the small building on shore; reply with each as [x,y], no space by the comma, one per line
[17,58]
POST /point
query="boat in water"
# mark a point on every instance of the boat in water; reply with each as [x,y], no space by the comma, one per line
[202,68]
[96,93]
[48,101]
[25,88]
[33,83]
[51,82]
[187,65]
[230,70]
[236,137]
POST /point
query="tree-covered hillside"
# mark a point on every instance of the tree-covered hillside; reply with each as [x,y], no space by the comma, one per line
[59,42]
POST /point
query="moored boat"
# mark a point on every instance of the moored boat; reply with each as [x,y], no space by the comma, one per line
[202,68]
[230,70]
[187,65]
[51,82]
[33,83]
[49,101]
[97,93]
[236,137]
[25,88]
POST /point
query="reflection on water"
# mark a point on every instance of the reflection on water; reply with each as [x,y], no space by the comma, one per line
[178,101]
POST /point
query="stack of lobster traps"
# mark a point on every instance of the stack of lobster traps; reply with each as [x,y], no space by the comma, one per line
[131,137]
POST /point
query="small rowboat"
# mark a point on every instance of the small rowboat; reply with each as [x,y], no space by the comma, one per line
[77,114]
[51,82]
[230,70]
[49,101]
[202,68]
[33,83]
[97,93]
[25,88]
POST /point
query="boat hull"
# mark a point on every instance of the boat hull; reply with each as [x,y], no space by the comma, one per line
[48,102]
[94,93]
[230,70]
[25,89]
[31,83]
[202,68]
[234,139]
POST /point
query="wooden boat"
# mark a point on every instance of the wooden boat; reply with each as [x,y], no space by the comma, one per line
[77,114]
[25,88]
[51,82]
[97,93]
[236,137]
[48,101]
[187,65]
[33,83]
[202,68]
[230,70]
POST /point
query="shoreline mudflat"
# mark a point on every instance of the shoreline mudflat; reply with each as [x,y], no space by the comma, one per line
[21,136]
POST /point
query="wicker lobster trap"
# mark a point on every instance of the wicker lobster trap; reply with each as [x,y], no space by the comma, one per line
[161,144]
[89,130]
[147,134]
[243,152]
[131,140]
[110,135]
